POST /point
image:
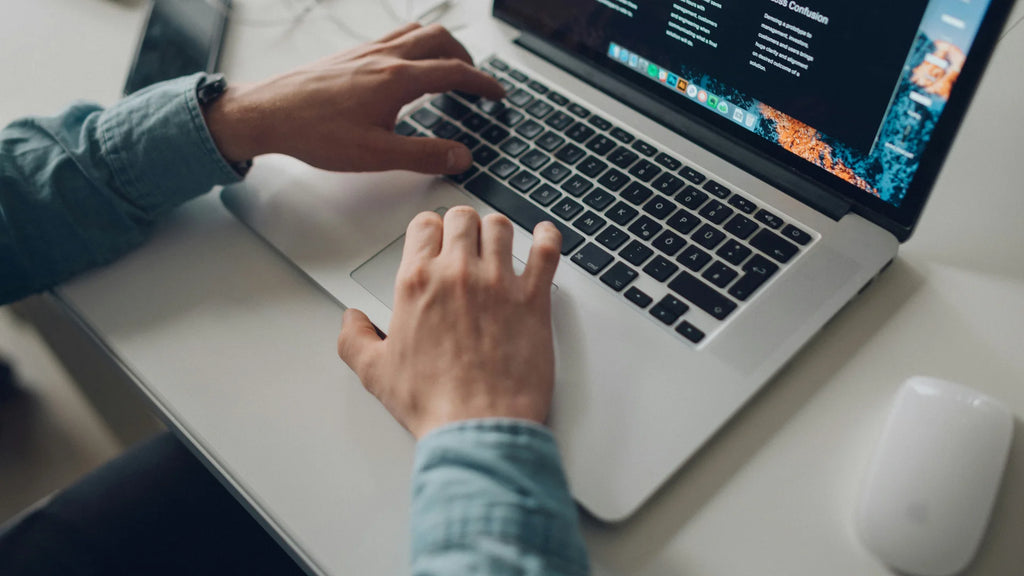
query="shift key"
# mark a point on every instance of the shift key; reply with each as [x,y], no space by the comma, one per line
[519,209]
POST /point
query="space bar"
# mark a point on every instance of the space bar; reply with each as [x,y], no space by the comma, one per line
[518,209]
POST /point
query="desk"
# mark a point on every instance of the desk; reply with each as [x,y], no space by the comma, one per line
[212,325]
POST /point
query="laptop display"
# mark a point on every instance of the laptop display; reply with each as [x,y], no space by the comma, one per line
[849,93]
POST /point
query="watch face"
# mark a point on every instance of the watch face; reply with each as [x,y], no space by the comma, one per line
[210,88]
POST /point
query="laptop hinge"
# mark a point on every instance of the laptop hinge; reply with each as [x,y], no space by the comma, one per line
[733,150]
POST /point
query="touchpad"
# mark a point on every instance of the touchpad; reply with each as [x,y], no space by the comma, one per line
[377,274]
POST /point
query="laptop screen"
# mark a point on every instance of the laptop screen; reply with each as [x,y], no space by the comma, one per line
[848,93]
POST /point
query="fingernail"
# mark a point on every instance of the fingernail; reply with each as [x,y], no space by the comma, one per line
[459,158]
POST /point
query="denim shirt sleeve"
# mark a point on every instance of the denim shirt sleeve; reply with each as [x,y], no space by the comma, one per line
[79,189]
[489,497]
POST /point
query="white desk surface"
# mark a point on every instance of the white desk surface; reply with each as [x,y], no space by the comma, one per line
[213,325]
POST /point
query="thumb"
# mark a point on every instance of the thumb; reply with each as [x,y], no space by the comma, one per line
[426,155]
[358,342]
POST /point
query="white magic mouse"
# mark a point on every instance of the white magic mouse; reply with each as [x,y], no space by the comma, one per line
[934,478]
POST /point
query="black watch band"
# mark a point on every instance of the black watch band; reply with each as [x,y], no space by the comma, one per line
[211,87]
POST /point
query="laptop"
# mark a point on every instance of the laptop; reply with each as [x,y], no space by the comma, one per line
[726,178]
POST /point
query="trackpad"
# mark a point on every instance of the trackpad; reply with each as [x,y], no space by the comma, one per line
[377,274]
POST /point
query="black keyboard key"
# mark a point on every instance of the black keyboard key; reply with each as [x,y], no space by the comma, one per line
[567,208]
[484,155]
[494,134]
[669,309]
[426,117]
[579,132]
[446,130]
[519,209]
[796,235]
[524,181]
[601,144]
[659,207]
[592,258]
[703,296]
[637,296]
[717,189]
[520,98]
[644,148]
[591,166]
[589,223]
[490,107]
[756,272]
[612,237]
[510,117]
[708,237]
[557,98]
[514,147]
[768,219]
[506,84]
[668,161]
[621,213]
[475,122]
[577,185]
[740,226]
[578,110]
[556,172]
[690,332]
[742,204]
[499,64]
[623,157]
[667,184]
[467,97]
[645,228]
[549,141]
[692,175]
[661,268]
[504,168]
[733,252]
[403,128]
[692,198]
[636,253]
[774,245]
[694,258]
[622,136]
[644,170]
[468,140]
[570,153]
[519,76]
[545,195]
[683,222]
[529,129]
[719,274]
[450,106]
[599,199]
[559,120]
[598,122]
[619,276]
[538,87]
[539,109]
[460,178]
[613,180]
[669,243]
[716,212]
[534,159]
[636,193]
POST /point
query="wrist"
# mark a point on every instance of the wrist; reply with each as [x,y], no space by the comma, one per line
[234,126]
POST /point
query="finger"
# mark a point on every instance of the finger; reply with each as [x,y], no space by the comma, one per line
[359,344]
[436,76]
[429,42]
[389,151]
[543,261]
[398,33]
[496,243]
[422,238]
[461,233]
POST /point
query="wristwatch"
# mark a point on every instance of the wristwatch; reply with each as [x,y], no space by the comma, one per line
[211,87]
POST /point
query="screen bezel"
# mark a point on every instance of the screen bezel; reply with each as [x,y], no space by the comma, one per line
[774,164]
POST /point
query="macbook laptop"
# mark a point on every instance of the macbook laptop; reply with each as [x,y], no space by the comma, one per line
[726,176]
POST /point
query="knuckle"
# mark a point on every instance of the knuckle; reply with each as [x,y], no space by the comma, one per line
[425,221]
[413,279]
[498,221]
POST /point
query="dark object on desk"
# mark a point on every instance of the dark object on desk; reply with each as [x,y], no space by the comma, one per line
[6,381]
[181,37]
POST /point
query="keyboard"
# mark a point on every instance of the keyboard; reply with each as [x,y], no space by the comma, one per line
[675,243]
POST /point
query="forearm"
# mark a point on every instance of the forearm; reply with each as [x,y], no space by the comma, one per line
[79,189]
[491,493]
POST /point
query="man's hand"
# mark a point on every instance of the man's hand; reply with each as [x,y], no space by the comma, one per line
[339,113]
[468,338]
